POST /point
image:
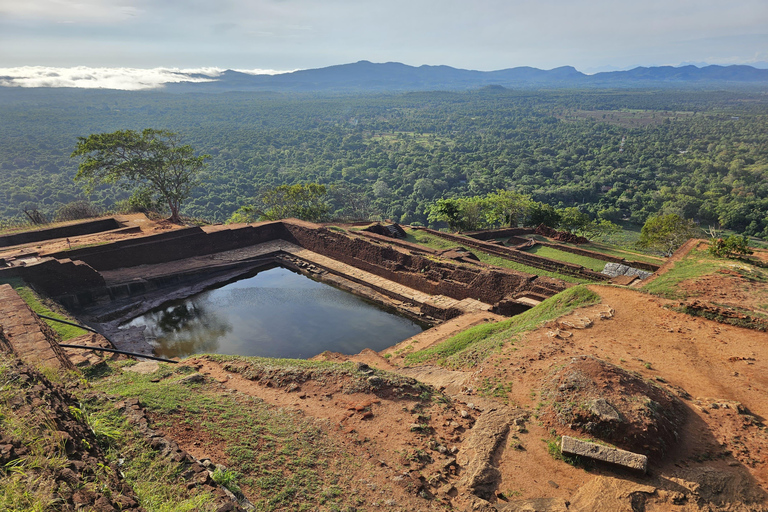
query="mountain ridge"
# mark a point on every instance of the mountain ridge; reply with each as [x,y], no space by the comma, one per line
[395,76]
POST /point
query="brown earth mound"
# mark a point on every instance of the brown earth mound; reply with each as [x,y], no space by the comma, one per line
[560,236]
[607,402]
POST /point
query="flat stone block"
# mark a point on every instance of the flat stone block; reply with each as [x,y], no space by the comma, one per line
[571,446]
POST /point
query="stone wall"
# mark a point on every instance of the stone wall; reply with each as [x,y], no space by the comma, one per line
[490,234]
[184,243]
[423,273]
[415,267]
[650,267]
[81,228]
[525,258]
[31,338]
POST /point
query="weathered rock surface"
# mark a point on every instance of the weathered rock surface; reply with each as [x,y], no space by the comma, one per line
[534,505]
[619,269]
[571,446]
[487,436]
[601,400]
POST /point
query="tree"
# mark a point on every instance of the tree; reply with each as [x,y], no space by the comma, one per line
[508,207]
[446,210]
[572,219]
[598,228]
[542,213]
[666,233]
[151,160]
[461,213]
[730,247]
[302,201]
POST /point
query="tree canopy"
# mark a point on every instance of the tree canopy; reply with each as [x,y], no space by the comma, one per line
[617,155]
[666,233]
[301,201]
[151,162]
[510,208]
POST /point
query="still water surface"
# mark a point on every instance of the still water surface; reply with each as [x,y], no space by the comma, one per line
[276,313]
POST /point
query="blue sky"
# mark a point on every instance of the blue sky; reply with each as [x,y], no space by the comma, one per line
[294,34]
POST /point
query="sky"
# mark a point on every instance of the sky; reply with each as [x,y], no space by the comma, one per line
[114,41]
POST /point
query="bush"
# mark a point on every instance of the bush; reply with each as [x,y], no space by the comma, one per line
[77,210]
[731,247]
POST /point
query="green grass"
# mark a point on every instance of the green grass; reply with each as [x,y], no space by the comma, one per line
[622,253]
[422,238]
[29,483]
[553,449]
[46,455]
[576,259]
[474,345]
[44,307]
[694,265]
[155,479]
[278,458]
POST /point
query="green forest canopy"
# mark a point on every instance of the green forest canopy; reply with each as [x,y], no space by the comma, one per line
[615,154]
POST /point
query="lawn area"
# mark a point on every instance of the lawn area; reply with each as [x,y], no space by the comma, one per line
[422,238]
[622,253]
[567,257]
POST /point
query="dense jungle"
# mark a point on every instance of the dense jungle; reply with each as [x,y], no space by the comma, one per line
[619,155]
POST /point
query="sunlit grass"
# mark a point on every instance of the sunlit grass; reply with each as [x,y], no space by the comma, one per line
[470,347]
[567,257]
[422,238]
[39,306]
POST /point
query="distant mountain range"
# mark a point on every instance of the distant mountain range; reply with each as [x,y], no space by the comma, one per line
[394,76]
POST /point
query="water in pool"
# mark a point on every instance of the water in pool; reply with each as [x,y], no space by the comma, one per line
[275,313]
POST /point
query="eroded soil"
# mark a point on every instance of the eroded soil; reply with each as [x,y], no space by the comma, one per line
[496,414]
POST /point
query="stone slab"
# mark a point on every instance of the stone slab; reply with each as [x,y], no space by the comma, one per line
[31,339]
[571,446]
[534,505]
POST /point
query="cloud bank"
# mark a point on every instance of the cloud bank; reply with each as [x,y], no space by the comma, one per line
[127,79]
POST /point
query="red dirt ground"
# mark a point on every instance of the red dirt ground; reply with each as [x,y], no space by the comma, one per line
[719,372]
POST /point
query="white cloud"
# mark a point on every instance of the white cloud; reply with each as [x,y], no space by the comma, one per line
[263,71]
[68,11]
[129,79]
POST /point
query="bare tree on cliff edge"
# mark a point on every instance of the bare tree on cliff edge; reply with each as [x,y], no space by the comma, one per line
[150,162]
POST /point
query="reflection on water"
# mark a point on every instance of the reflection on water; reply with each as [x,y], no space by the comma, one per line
[276,313]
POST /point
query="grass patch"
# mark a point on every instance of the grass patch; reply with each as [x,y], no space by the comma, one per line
[553,449]
[277,458]
[694,265]
[568,257]
[472,346]
[495,388]
[30,482]
[154,479]
[622,253]
[422,238]
[27,482]
[46,307]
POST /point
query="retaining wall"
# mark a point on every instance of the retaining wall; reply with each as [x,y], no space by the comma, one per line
[30,338]
[418,270]
[428,275]
[650,267]
[531,260]
[490,234]
[183,243]
[81,228]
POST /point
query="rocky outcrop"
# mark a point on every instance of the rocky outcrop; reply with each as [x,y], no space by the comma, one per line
[601,400]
